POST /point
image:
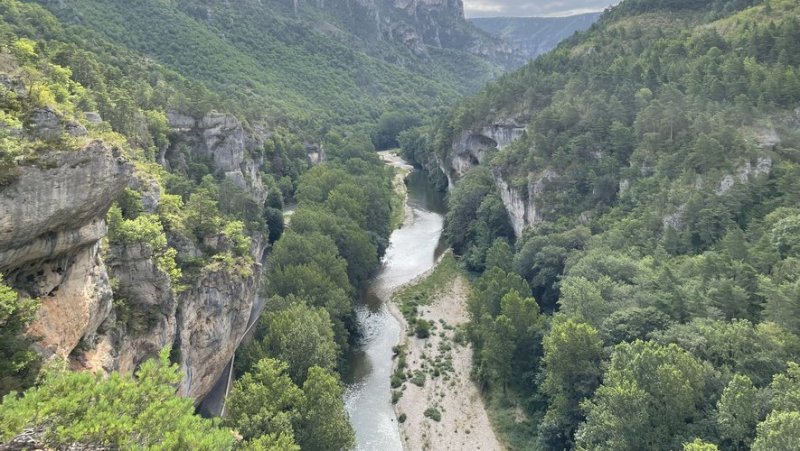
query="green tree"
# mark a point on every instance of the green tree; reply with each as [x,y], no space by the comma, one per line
[390,125]
[240,243]
[699,445]
[325,424]
[500,256]
[271,442]
[18,363]
[202,214]
[779,432]
[489,290]
[264,402]
[739,412]
[499,345]
[300,336]
[143,412]
[647,400]
[275,223]
[573,353]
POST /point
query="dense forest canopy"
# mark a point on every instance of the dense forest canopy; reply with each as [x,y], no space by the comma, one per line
[659,277]
[306,68]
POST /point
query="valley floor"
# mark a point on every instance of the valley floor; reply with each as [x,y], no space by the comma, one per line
[447,386]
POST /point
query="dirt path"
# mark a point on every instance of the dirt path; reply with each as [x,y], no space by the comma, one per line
[464,424]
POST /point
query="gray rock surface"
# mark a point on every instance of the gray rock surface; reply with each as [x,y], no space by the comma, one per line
[50,239]
[60,204]
[471,147]
[93,118]
[46,123]
[14,84]
[213,318]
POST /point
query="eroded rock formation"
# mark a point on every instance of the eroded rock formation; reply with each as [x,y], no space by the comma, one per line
[107,306]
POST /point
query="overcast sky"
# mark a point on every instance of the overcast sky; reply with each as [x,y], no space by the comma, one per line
[529,8]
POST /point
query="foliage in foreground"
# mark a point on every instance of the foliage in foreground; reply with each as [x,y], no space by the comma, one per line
[143,412]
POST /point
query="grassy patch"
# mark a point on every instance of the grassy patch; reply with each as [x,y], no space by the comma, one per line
[423,292]
[514,429]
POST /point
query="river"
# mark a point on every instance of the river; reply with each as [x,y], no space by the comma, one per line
[412,251]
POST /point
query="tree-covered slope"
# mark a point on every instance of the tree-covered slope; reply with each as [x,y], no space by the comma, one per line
[136,222]
[646,196]
[308,64]
[535,36]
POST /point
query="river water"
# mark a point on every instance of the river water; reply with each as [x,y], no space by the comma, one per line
[413,250]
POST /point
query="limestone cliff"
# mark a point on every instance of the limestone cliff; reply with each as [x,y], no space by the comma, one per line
[470,150]
[524,199]
[535,36]
[106,305]
[441,23]
[50,232]
[418,25]
[222,139]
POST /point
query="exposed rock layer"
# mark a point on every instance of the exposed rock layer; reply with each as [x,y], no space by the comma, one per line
[112,309]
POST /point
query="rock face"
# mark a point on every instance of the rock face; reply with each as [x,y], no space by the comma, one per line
[213,320]
[418,25]
[204,323]
[50,236]
[147,293]
[112,309]
[59,205]
[524,205]
[534,36]
[221,138]
[470,149]
[524,208]
[441,23]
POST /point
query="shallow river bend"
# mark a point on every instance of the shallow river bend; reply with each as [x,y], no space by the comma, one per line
[412,251]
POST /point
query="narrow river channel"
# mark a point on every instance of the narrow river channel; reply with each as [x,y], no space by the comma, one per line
[413,250]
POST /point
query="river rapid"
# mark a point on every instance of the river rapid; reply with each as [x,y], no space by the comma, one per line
[413,250]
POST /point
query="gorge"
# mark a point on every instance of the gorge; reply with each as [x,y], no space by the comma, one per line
[196,221]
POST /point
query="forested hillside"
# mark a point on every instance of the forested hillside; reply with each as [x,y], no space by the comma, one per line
[307,65]
[535,36]
[630,201]
[136,223]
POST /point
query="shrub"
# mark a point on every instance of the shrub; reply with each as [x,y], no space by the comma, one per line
[433,414]
[423,328]
[418,379]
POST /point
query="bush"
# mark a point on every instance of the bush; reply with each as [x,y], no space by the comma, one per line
[418,379]
[402,418]
[423,328]
[18,363]
[433,414]
[397,379]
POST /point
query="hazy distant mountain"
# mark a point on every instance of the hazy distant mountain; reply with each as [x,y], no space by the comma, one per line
[535,35]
